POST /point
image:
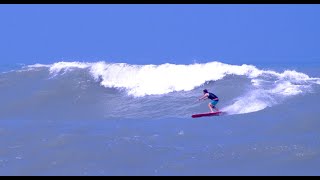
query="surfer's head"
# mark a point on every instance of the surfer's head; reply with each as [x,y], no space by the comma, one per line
[205,91]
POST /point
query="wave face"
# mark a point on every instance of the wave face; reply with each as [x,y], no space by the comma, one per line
[75,90]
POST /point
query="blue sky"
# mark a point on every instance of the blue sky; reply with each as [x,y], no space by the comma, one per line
[155,34]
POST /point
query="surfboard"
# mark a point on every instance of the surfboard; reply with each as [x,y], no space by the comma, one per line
[206,114]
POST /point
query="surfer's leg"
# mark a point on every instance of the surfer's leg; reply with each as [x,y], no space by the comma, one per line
[210,107]
[213,105]
[216,109]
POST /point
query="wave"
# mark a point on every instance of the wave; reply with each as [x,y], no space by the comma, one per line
[142,80]
[253,89]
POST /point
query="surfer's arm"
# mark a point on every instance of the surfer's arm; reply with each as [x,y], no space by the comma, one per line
[203,97]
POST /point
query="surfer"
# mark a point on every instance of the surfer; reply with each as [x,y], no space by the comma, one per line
[214,99]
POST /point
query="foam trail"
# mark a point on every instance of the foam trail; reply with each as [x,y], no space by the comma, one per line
[252,101]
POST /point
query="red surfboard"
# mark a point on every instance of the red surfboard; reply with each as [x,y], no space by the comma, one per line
[206,114]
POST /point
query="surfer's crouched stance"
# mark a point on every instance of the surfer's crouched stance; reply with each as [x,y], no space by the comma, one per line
[214,100]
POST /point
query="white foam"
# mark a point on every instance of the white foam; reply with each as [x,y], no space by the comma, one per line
[252,101]
[67,66]
[268,95]
[242,107]
[293,75]
[273,93]
[38,66]
[257,82]
[142,80]
[33,67]
[287,89]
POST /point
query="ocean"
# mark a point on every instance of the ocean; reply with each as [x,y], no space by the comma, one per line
[107,118]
